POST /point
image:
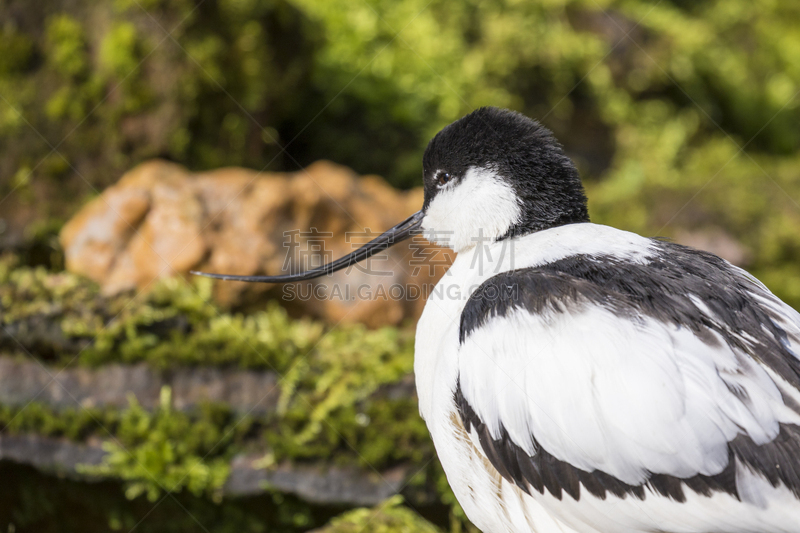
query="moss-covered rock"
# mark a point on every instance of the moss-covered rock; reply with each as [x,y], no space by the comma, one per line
[332,406]
[174,323]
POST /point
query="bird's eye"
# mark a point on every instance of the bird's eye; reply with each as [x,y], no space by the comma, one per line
[443,178]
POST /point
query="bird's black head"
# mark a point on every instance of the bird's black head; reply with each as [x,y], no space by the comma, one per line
[500,172]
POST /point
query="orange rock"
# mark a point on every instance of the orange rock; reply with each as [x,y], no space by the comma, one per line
[161,220]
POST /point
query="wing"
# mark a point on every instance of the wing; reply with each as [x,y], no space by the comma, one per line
[595,374]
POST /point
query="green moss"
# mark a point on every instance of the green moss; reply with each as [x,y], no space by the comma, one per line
[67,46]
[67,52]
[168,451]
[327,375]
[171,325]
[40,419]
[176,324]
[150,451]
[172,450]
[119,53]
[338,411]
[331,404]
[388,517]
[334,404]
[165,336]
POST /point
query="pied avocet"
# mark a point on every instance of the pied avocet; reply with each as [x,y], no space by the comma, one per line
[589,379]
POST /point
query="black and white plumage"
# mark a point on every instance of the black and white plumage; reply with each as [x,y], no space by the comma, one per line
[587,379]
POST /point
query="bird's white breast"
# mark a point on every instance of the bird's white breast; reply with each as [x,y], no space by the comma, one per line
[437,329]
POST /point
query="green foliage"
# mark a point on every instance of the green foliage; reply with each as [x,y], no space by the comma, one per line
[66,46]
[74,424]
[334,401]
[118,52]
[164,336]
[167,451]
[25,292]
[388,517]
[174,324]
[68,57]
[173,450]
[109,84]
[652,100]
[325,401]
[151,452]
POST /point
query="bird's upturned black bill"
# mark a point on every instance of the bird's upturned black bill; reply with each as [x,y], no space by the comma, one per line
[400,232]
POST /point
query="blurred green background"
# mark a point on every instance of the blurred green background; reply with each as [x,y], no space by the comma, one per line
[661,104]
[682,116]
